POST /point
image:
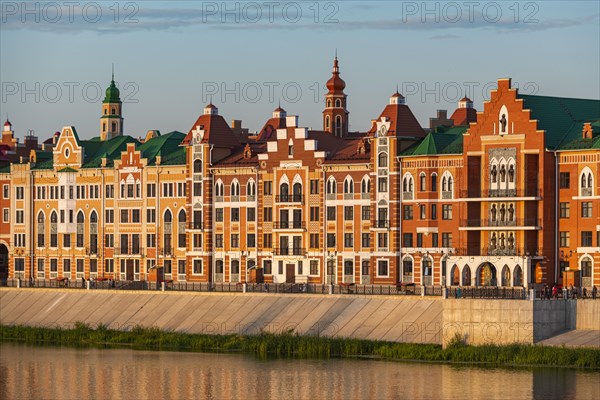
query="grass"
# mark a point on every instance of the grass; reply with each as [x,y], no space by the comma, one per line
[291,345]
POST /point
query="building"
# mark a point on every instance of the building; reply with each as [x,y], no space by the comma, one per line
[507,196]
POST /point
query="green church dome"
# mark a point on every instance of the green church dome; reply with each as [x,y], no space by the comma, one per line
[112,93]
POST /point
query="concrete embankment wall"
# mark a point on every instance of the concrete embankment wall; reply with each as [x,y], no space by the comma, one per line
[398,319]
[389,318]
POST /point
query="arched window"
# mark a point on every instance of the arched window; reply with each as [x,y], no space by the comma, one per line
[181,229]
[518,276]
[587,183]
[427,271]
[327,121]
[434,182]
[447,185]
[407,270]
[197,166]
[586,272]
[53,229]
[454,276]
[167,232]
[219,190]
[365,186]
[505,276]
[297,192]
[80,228]
[466,276]
[93,233]
[338,103]
[338,125]
[407,184]
[382,160]
[329,103]
[284,192]
[235,188]
[331,186]
[41,230]
[219,267]
[422,182]
[583,180]
[348,186]
[251,189]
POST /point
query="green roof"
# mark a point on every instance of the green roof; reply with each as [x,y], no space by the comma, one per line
[112,93]
[167,147]
[441,141]
[95,150]
[561,117]
[67,169]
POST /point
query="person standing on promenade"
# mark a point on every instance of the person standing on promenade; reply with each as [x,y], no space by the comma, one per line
[594,292]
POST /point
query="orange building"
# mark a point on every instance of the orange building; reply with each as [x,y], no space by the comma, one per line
[507,196]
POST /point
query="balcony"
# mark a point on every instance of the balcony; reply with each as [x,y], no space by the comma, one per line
[498,251]
[289,198]
[286,251]
[502,193]
[290,225]
[382,223]
[496,223]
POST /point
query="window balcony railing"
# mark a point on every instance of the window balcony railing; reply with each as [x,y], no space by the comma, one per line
[286,251]
[407,195]
[290,225]
[500,193]
[382,223]
[365,196]
[497,251]
[290,198]
[586,192]
[489,222]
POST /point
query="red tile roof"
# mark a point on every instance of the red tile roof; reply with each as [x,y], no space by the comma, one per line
[268,130]
[403,121]
[216,131]
[463,116]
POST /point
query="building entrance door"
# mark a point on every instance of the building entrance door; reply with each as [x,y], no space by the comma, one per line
[129,270]
[290,273]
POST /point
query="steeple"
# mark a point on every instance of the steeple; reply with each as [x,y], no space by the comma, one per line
[335,115]
[111,121]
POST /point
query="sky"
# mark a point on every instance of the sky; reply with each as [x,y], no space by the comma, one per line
[172,58]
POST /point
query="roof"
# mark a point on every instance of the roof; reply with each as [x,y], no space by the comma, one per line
[464,115]
[216,131]
[167,147]
[270,127]
[403,121]
[441,141]
[560,116]
[112,93]
[574,140]
[95,150]
[335,84]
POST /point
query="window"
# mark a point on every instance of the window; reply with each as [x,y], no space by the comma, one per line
[235,215]
[434,182]
[314,240]
[268,267]
[124,216]
[6,191]
[80,228]
[251,214]
[447,211]
[433,211]
[422,182]
[267,240]
[197,166]
[135,216]
[66,265]
[268,188]
[407,240]
[382,240]
[167,190]
[446,239]
[564,179]
[268,214]
[67,240]
[197,219]
[408,212]
[5,215]
[219,214]
[219,240]
[565,239]
[348,213]
[366,213]
[197,267]
[167,267]
[422,211]
[586,209]
[251,240]
[109,265]
[20,192]
[382,160]
[109,240]
[314,186]
[565,210]
[150,240]
[314,267]
[331,240]
[181,189]
[586,239]
[331,213]
[382,185]
[151,190]
[419,240]
[151,215]
[382,268]
[20,217]
[197,238]
[366,240]
[110,216]
[181,226]
[331,186]
[434,239]
[348,240]
[314,213]
[348,186]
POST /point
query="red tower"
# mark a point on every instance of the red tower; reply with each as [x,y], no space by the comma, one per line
[335,115]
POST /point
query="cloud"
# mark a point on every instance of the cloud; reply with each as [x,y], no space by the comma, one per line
[242,16]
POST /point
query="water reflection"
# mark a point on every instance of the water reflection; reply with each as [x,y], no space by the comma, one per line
[67,373]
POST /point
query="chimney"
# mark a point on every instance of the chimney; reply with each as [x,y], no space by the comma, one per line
[441,119]
[587,132]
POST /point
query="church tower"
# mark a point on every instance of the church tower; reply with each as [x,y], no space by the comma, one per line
[335,115]
[111,121]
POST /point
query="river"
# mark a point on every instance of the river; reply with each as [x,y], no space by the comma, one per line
[34,372]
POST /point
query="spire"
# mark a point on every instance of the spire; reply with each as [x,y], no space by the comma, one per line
[113,73]
[335,83]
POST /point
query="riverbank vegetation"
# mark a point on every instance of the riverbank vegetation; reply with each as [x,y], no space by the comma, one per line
[294,346]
